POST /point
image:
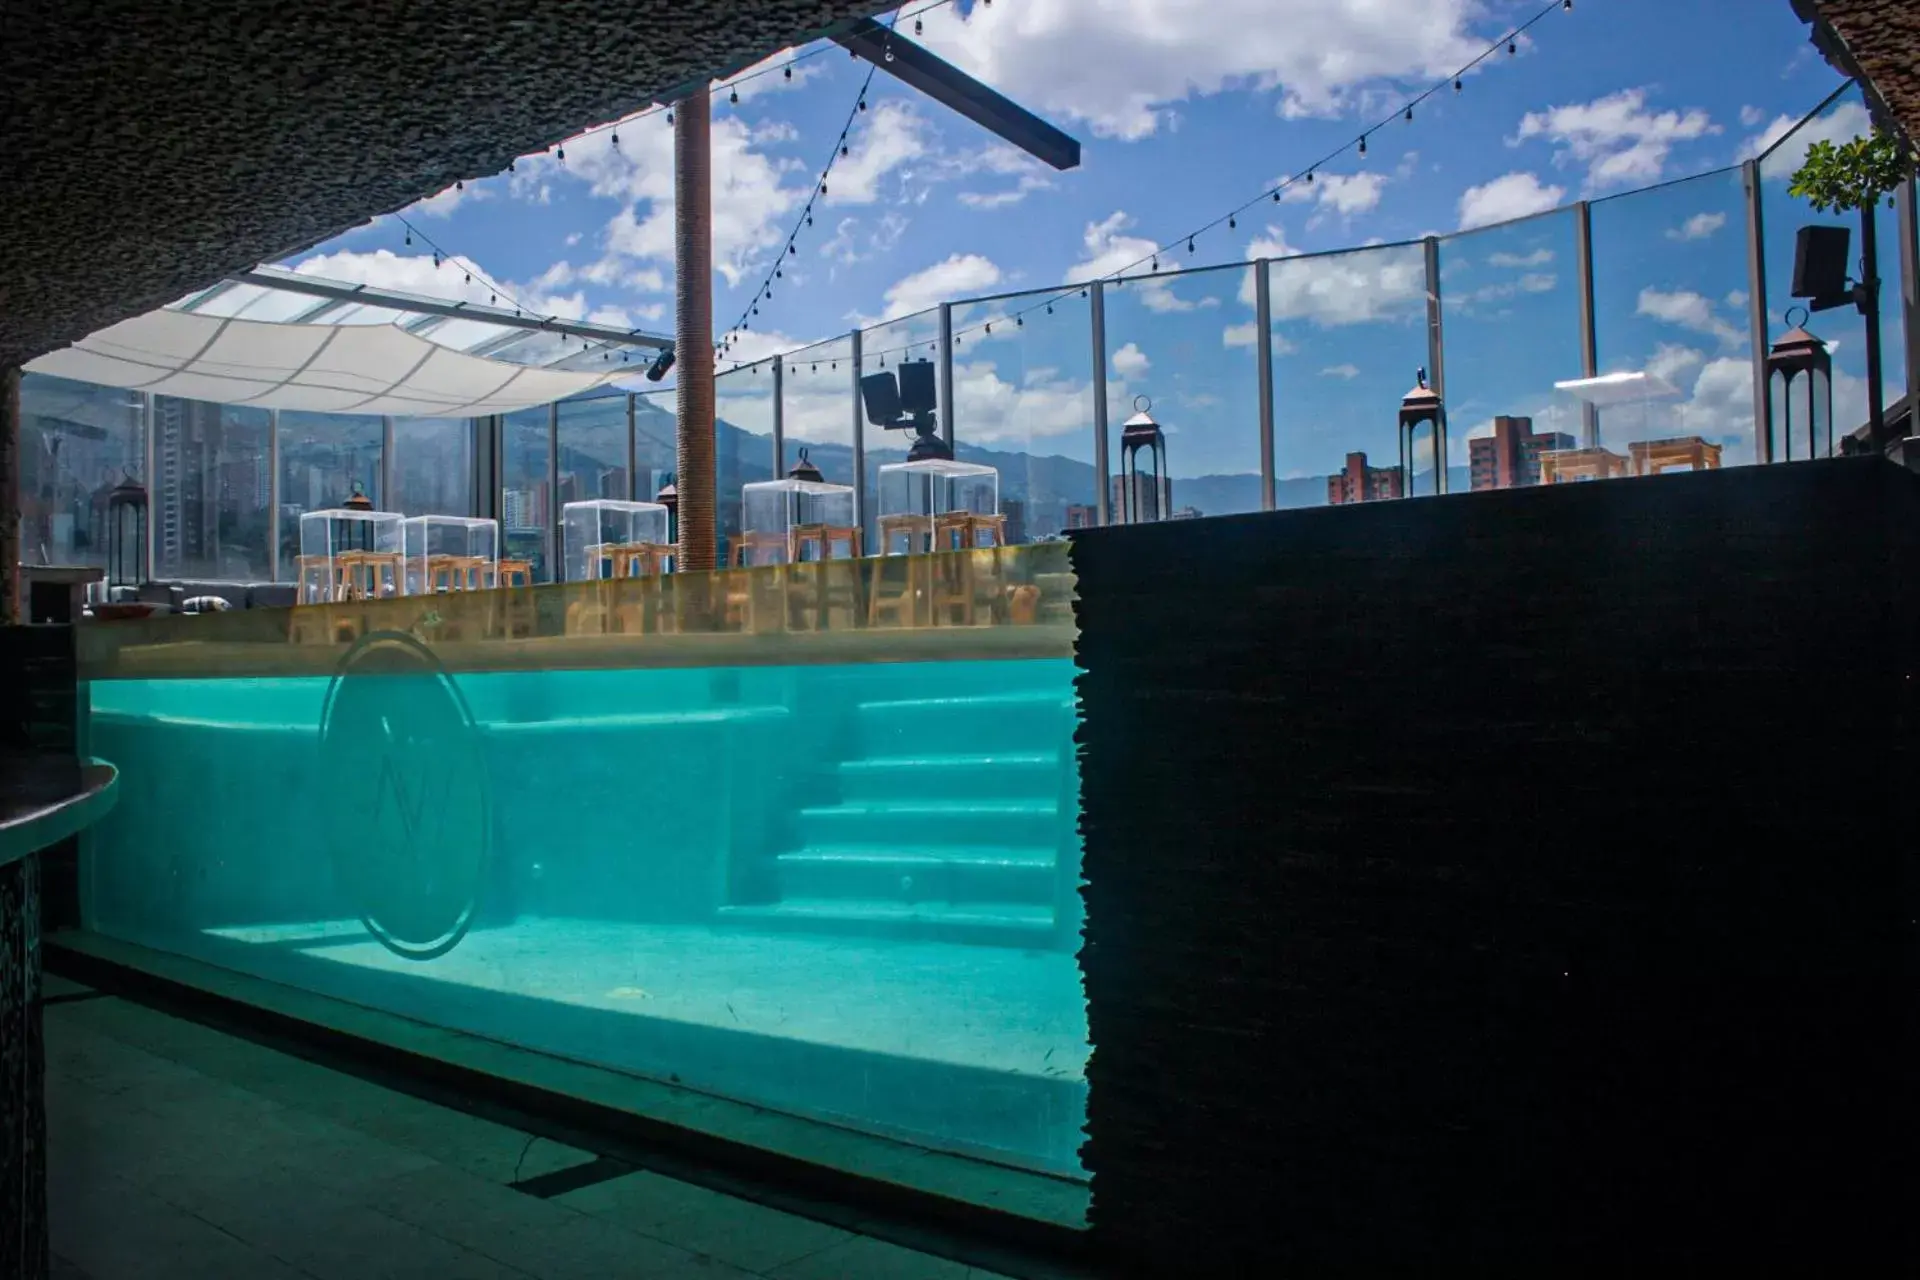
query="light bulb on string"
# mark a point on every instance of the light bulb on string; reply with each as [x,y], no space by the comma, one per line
[1513,46]
[789,74]
[919,28]
[1457,84]
[1231,224]
[889,51]
[669,117]
[1049,308]
[1409,115]
[843,148]
[863,102]
[1019,322]
[1156,263]
[561,154]
[1189,244]
[509,166]
[1363,144]
[733,97]
[616,139]
[409,235]
[459,185]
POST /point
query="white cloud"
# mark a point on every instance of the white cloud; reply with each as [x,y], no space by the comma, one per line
[1109,251]
[1335,289]
[1120,65]
[1343,193]
[444,203]
[1616,137]
[1538,258]
[1347,371]
[1129,361]
[1751,116]
[405,273]
[1240,335]
[1688,310]
[1737,299]
[1671,361]
[955,277]
[885,138]
[1512,195]
[1843,123]
[1698,227]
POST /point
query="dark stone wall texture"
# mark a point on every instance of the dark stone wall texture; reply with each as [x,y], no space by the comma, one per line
[1515,882]
[156,146]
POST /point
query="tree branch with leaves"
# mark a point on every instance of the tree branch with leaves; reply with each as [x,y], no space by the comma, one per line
[1852,175]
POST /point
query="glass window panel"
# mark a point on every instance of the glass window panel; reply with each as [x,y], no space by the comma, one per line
[1189,344]
[1023,403]
[526,491]
[593,449]
[432,466]
[884,349]
[1510,300]
[322,457]
[1669,299]
[77,441]
[743,443]
[1349,333]
[818,413]
[1844,328]
[211,509]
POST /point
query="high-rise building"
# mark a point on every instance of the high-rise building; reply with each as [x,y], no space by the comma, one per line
[1015,512]
[1510,457]
[1149,506]
[1082,515]
[1358,482]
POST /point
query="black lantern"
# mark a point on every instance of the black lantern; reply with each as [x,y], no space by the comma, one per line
[669,497]
[805,470]
[354,535]
[1801,358]
[127,534]
[1153,500]
[1421,408]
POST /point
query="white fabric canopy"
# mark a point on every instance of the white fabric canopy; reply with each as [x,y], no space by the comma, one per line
[323,368]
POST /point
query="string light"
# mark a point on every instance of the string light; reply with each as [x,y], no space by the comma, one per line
[1119,278]
[733,97]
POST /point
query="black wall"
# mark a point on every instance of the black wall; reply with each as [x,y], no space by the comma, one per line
[1509,881]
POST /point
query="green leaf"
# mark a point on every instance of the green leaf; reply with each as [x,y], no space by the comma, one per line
[1853,175]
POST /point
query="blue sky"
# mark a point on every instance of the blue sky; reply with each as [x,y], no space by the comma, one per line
[1185,109]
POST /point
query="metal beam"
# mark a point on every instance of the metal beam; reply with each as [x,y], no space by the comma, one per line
[946,373]
[859,441]
[290,282]
[918,68]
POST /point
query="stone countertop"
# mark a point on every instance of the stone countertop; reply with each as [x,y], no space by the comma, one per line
[44,798]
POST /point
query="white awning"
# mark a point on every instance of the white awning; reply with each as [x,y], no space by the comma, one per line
[376,368]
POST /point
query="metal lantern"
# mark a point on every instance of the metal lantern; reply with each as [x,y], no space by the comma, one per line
[805,470]
[1138,434]
[127,534]
[1801,357]
[354,535]
[1421,407]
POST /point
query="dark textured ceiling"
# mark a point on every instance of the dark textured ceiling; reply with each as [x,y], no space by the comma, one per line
[1877,41]
[154,146]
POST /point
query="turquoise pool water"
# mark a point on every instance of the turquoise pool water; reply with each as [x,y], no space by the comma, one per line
[844,892]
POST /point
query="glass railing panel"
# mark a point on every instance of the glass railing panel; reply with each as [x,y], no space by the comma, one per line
[212,512]
[77,441]
[1184,347]
[656,426]
[1843,328]
[1349,333]
[592,459]
[818,409]
[432,467]
[1510,307]
[1670,301]
[884,350]
[323,458]
[527,511]
[1024,405]
[743,443]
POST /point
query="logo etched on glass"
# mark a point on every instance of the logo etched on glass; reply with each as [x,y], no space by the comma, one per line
[401,755]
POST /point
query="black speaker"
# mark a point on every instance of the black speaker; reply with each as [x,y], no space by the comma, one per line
[1820,262]
[882,398]
[917,393]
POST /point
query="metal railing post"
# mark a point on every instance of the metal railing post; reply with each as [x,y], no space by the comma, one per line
[386,465]
[1102,503]
[273,492]
[1263,319]
[1436,360]
[779,415]
[1757,312]
[1589,347]
[555,570]
[634,492]
[1904,204]
[946,373]
[859,440]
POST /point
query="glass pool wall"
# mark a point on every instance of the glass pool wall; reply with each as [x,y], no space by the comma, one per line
[845,892]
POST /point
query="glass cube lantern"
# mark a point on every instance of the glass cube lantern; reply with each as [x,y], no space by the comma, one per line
[350,552]
[797,518]
[938,504]
[1619,424]
[613,538]
[450,553]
